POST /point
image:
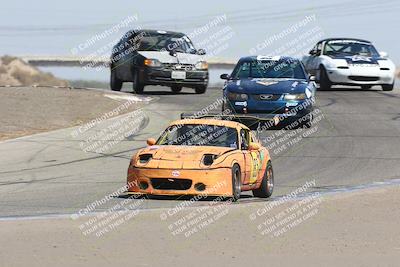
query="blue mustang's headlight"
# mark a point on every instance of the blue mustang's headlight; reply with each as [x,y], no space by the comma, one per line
[235,96]
[295,96]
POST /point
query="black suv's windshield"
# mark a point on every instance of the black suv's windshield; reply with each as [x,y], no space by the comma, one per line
[165,42]
[199,135]
[348,47]
[269,69]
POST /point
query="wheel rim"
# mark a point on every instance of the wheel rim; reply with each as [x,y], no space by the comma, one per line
[237,187]
[270,180]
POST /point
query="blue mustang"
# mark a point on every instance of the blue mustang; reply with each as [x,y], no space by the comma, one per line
[265,88]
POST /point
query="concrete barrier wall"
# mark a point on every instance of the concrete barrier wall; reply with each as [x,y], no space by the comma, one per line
[54,61]
[100,62]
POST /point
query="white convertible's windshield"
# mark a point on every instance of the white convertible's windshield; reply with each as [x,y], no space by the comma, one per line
[348,47]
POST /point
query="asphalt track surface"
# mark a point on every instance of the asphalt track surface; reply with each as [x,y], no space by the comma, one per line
[357,141]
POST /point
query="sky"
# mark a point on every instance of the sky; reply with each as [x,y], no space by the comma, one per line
[48,27]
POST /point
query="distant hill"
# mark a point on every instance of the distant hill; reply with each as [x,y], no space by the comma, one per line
[16,72]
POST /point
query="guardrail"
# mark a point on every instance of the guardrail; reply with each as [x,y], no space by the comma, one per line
[66,61]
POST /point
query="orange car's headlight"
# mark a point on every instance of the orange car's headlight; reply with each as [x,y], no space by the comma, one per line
[208,159]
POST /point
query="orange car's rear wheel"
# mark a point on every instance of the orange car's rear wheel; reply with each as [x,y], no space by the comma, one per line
[236,182]
[267,185]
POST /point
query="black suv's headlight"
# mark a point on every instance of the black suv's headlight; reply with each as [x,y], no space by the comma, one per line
[201,65]
[152,62]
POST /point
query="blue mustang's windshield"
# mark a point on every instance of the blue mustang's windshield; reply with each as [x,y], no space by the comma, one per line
[289,69]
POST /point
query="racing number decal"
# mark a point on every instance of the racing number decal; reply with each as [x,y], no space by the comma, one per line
[255,166]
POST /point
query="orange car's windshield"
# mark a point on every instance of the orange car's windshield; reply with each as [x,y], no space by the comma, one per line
[199,135]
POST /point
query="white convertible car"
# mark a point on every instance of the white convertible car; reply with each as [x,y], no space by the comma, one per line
[347,61]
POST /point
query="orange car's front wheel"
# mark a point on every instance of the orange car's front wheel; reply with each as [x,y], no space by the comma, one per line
[267,185]
[236,182]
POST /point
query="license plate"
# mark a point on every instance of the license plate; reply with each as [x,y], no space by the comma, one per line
[178,75]
[363,65]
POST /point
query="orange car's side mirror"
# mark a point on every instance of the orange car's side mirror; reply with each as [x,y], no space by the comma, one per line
[254,146]
[151,141]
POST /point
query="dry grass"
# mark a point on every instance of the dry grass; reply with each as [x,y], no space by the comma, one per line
[3,69]
[26,78]
[15,72]
[7,59]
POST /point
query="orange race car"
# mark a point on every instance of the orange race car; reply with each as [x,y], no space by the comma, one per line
[207,157]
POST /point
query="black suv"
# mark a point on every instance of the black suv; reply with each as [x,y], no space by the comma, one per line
[149,57]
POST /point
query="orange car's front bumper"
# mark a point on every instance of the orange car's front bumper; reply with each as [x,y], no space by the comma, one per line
[210,182]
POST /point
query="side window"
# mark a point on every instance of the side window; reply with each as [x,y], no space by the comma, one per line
[314,50]
[124,43]
[134,41]
[315,47]
[170,136]
[319,48]
[244,139]
[242,71]
[253,138]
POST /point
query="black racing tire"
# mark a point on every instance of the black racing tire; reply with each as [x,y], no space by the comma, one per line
[115,83]
[138,87]
[308,122]
[324,82]
[366,87]
[201,89]
[236,182]
[223,106]
[227,108]
[176,88]
[387,87]
[267,185]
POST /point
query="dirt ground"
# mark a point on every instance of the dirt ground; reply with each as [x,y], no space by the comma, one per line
[348,229]
[30,110]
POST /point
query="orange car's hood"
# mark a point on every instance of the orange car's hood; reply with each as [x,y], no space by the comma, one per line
[179,156]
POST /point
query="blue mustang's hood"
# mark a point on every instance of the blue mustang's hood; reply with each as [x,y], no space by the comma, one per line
[267,86]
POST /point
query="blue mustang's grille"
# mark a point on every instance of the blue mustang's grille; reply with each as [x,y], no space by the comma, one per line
[266,97]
